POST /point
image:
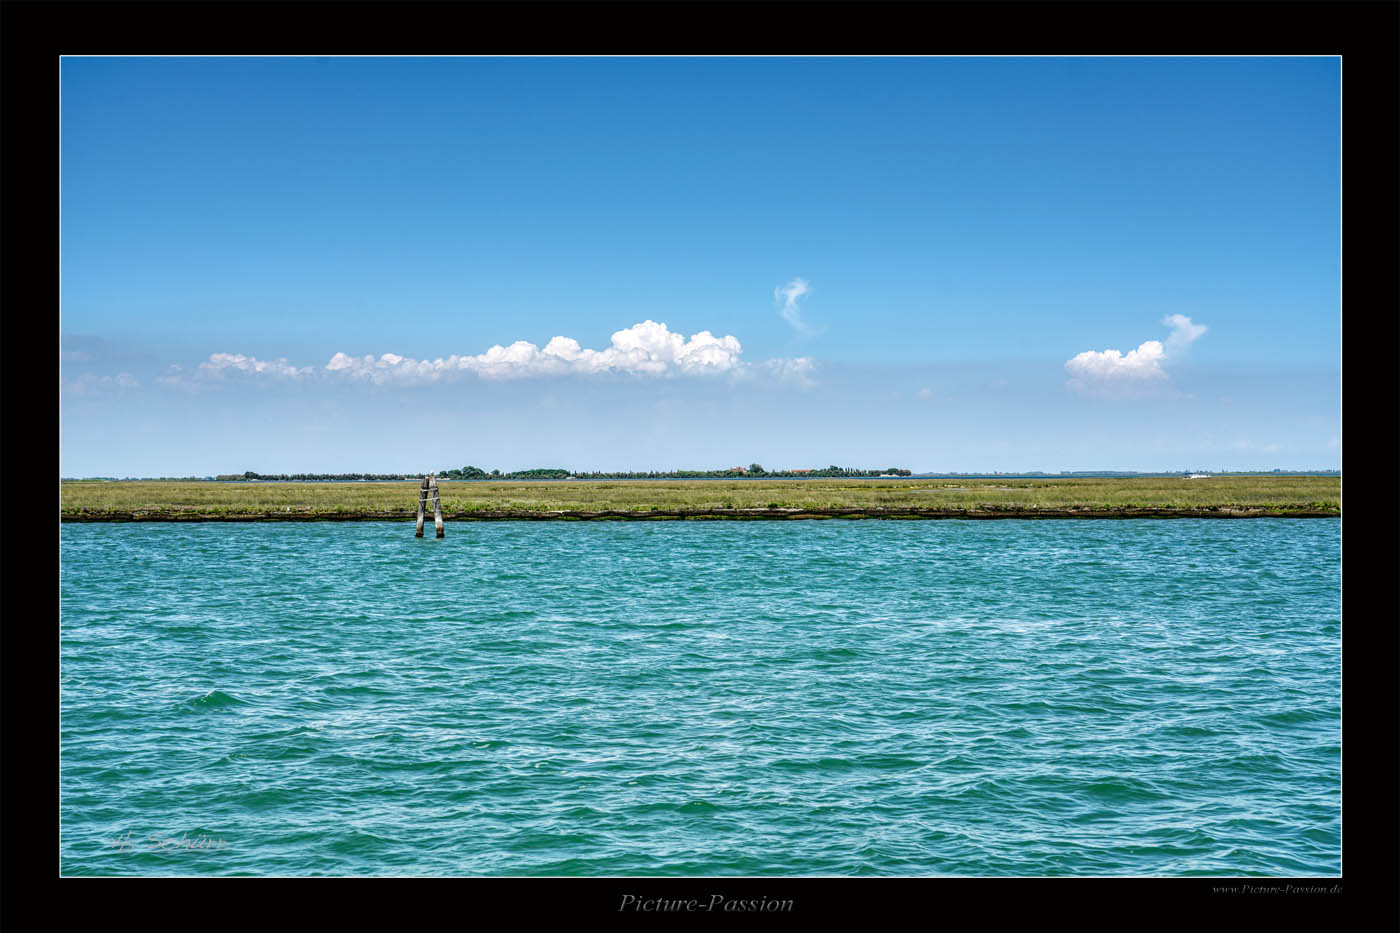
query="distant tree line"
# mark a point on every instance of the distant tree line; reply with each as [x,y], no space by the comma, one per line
[471,472]
[753,469]
[477,473]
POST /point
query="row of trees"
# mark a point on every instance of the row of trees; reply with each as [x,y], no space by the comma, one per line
[753,469]
[472,472]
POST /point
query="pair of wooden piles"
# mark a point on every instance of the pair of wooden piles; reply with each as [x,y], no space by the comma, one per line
[429,486]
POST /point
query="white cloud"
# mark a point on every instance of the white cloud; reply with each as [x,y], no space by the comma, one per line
[220,365]
[1137,372]
[645,349]
[924,394]
[1184,333]
[789,295]
[1111,369]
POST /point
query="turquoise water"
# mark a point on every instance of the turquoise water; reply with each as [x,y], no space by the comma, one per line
[702,698]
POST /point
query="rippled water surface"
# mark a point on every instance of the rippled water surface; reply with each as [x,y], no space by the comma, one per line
[702,698]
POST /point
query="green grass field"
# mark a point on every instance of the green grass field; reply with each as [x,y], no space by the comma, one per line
[1273,493]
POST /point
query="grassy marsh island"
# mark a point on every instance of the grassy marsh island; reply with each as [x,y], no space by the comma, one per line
[904,497]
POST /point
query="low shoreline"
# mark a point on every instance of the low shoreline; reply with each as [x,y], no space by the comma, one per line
[652,515]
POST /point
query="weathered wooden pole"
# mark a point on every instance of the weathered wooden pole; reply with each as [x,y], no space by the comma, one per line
[422,498]
[437,505]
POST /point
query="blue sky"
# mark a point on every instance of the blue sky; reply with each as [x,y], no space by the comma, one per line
[937,263]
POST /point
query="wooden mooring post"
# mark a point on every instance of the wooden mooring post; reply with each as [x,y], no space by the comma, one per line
[429,486]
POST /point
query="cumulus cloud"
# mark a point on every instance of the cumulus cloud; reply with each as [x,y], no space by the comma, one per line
[645,349]
[1107,369]
[1140,371]
[788,296]
[222,365]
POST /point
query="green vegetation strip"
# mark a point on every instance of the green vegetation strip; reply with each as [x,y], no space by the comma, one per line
[1113,497]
